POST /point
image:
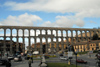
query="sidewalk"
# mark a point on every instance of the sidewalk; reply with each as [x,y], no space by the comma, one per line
[26,65]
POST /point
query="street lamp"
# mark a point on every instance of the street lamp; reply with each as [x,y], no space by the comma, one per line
[0,52]
[32,55]
[76,58]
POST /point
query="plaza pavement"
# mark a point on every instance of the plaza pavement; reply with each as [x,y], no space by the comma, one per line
[26,65]
[35,64]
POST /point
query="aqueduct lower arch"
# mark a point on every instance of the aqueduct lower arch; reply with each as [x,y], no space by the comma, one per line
[42,32]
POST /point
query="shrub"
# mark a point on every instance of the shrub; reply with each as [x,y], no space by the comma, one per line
[95,51]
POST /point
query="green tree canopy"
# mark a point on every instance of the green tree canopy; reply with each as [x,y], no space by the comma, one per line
[95,37]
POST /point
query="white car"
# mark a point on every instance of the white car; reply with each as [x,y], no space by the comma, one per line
[64,58]
[10,57]
[36,52]
[17,59]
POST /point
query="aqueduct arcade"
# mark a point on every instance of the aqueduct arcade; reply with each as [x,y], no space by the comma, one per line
[49,34]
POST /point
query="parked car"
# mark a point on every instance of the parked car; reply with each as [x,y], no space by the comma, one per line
[27,58]
[18,58]
[98,63]
[64,58]
[10,57]
[3,61]
[81,61]
[46,57]
[98,56]
[36,52]
[61,55]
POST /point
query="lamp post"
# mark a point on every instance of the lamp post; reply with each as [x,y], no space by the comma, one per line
[0,52]
[32,55]
[76,58]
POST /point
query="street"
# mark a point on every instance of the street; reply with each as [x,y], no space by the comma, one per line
[24,63]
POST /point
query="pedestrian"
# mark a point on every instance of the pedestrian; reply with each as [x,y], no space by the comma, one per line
[7,54]
[89,55]
[29,62]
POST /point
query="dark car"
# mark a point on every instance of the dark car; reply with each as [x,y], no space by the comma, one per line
[98,63]
[10,57]
[46,57]
[81,61]
[61,55]
[98,55]
[27,58]
[3,61]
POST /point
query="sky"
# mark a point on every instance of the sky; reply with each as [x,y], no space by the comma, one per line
[50,13]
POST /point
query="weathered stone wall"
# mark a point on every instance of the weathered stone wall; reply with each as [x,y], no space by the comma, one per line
[65,34]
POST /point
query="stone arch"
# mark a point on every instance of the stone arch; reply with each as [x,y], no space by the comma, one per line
[79,33]
[74,33]
[59,43]
[43,32]
[38,43]
[20,41]
[14,45]
[8,32]
[1,32]
[32,41]
[32,32]
[59,32]
[37,40]
[14,32]
[54,32]
[38,32]
[27,42]
[43,40]
[69,33]
[20,32]
[26,32]
[49,42]
[83,33]
[88,34]
[65,44]
[8,45]
[8,38]
[44,45]
[64,33]
[1,38]
[54,42]
[59,39]
[49,32]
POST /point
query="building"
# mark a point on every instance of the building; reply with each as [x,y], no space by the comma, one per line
[79,46]
[88,45]
[8,46]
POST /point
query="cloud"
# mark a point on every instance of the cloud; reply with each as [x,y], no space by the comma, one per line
[93,22]
[21,20]
[83,8]
[65,21]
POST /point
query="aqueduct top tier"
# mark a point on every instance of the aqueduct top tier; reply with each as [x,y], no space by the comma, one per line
[52,33]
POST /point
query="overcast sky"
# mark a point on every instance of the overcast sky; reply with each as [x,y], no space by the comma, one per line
[51,13]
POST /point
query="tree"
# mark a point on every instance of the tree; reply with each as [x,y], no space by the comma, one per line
[73,49]
[95,36]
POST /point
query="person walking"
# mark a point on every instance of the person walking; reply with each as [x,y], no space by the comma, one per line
[29,62]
